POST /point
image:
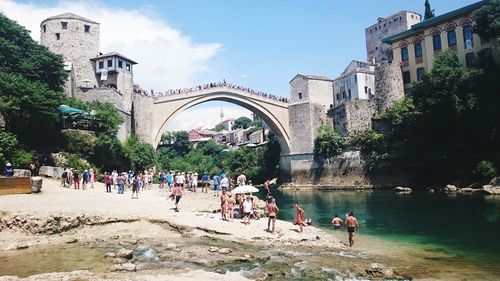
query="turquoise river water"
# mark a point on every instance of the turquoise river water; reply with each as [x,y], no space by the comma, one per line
[451,230]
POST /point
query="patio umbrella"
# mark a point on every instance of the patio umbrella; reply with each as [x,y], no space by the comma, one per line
[245,189]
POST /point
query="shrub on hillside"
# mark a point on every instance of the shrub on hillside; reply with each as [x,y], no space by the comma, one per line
[329,143]
[369,140]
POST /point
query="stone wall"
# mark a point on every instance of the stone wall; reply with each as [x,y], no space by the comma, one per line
[345,171]
[352,117]
[388,85]
[301,130]
[142,118]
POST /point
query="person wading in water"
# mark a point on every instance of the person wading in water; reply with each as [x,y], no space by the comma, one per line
[352,225]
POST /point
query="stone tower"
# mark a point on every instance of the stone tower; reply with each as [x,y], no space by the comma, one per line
[311,98]
[92,75]
[77,39]
[377,51]
[388,85]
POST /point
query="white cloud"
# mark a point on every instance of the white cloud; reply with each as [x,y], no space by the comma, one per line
[206,115]
[167,58]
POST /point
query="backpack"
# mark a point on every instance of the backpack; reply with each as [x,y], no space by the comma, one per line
[64,175]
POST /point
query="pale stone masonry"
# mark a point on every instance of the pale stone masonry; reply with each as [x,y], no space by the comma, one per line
[92,75]
[377,51]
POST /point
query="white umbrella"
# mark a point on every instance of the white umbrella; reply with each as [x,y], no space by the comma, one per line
[245,189]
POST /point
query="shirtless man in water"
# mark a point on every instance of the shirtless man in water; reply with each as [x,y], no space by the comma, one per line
[352,225]
[337,222]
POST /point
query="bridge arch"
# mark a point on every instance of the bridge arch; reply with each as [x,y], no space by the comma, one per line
[273,112]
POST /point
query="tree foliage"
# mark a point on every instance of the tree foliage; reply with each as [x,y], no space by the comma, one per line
[487,21]
[142,155]
[329,143]
[242,122]
[429,13]
[369,140]
[110,119]
[485,170]
[31,81]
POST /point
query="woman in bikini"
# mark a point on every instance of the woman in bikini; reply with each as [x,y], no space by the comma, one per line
[230,205]
[272,211]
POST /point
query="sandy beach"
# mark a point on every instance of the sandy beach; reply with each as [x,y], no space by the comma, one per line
[119,221]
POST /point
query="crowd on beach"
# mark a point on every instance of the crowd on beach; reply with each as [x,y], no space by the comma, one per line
[233,204]
[224,83]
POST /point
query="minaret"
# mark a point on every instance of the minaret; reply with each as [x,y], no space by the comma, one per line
[221,114]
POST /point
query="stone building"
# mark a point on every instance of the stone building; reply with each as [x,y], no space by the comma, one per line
[416,48]
[355,116]
[377,51]
[357,82]
[92,75]
[311,98]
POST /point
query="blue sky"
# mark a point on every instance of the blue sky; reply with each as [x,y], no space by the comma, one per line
[259,44]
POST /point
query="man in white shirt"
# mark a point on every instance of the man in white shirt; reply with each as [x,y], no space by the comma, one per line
[247,209]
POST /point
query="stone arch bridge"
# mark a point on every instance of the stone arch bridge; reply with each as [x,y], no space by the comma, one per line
[152,114]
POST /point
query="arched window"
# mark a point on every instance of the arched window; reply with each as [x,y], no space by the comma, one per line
[404,51]
[468,40]
[451,34]
[436,39]
[417,44]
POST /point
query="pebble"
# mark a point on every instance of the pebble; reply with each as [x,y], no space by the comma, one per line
[124,253]
[171,246]
[213,249]
[71,240]
[224,251]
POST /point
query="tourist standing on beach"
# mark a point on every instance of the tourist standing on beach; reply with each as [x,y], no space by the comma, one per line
[247,209]
[216,185]
[76,179]
[85,179]
[177,194]
[241,179]
[272,212]
[223,205]
[92,177]
[300,217]
[107,181]
[224,182]
[136,186]
[230,206]
[352,226]
[170,180]
[337,222]
[114,176]
[194,182]
[204,182]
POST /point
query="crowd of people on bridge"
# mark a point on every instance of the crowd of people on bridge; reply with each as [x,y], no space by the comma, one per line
[224,83]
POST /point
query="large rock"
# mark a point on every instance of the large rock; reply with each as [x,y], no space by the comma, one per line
[492,190]
[22,173]
[379,270]
[466,189]
[36,184]
[224,251]
[450,188]
[50,171]
[495,182]
[124,253]
[402,189]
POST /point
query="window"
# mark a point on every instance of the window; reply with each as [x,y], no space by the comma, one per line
[366,89]
[58,36]
[101,65]
[404,54]
[420,73]
[64,25]
[44,28]
[120,64]
[86,28]
[300,96]
[355,78]
[110,63]
[418,50]
[128,66]
[406,77]
[468,42]
[349,94]
[470,59]
[436,42]
[452,38]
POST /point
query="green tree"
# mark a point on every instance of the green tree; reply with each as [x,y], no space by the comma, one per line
[218,127]
[270,158]
[181,144]
[110,119]
[142,155]
[8,147]
[429,13]
[108,154]
[487,21]
[329,143]
[369,140]
[242,122]
[485,170]
[31,82]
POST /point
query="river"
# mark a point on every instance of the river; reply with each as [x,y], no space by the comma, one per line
[459,233]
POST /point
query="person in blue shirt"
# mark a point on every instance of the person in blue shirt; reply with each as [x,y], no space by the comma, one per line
[85,178]
[170,180]
[8,170]
[216,180]
[204,182]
